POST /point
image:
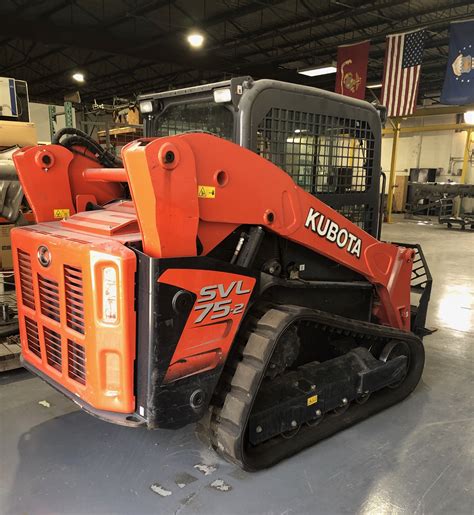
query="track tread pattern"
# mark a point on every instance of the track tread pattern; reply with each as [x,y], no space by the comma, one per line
[224,425]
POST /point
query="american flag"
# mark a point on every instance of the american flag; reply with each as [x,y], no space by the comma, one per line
[401,72]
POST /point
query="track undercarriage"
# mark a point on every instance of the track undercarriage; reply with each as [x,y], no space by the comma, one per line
[300,375]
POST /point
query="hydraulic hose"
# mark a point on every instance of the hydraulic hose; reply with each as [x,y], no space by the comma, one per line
[80,138]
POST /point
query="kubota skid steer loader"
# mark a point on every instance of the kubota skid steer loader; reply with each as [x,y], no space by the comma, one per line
[200,282]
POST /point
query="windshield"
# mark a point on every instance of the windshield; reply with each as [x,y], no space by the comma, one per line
[202,117]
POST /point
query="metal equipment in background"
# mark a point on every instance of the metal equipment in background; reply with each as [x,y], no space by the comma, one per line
[113,125]
[431,198]
[53,117]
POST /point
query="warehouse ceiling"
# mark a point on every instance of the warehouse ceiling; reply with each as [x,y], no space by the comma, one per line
[126,47]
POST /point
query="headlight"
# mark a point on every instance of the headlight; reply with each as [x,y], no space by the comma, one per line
[146,106]
[109,295]
[222,95]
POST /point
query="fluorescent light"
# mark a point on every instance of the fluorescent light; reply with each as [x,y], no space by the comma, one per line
[374,86]
[314,71]
[79,77]
[469,117]
[195,40]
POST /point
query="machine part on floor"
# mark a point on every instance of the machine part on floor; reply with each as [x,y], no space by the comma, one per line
[221,293]
[447,215]
[466,220]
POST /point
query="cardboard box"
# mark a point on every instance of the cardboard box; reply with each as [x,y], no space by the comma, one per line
[6,260]
[17,133]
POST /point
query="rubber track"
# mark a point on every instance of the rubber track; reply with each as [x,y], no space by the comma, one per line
[225,424]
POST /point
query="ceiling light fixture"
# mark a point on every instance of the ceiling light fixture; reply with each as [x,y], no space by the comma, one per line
[315,71]
[79,77]
[195,40]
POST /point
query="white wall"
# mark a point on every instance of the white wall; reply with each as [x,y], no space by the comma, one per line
[442,149]
[39,116]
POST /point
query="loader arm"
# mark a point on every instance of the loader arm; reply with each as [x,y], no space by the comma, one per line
[197,186]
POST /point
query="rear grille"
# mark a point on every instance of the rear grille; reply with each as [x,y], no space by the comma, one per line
[74,298]
[26,279]
[76,362]
[52,343]
[49,297]
[32,337]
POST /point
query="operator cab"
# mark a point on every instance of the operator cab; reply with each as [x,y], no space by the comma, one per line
[329,144]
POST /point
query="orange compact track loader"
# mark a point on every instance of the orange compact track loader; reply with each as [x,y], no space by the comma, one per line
[197,281]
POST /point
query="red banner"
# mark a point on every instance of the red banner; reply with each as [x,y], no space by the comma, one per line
[351,74]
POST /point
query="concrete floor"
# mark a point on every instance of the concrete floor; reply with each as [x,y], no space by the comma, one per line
[416,457]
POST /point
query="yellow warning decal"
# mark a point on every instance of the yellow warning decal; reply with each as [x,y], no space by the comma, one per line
[61,213]
[312,400]
[206,191]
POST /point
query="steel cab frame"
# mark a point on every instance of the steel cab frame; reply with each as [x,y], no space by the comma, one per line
[328,143]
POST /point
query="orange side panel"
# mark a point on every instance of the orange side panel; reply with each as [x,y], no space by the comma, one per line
[77,322]
[221,301]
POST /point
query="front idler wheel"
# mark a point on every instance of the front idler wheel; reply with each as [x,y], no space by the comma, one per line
[393,350]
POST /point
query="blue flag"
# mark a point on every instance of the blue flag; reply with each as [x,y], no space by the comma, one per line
[459,80]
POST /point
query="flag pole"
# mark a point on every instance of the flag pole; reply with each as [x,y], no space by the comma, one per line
[393,165]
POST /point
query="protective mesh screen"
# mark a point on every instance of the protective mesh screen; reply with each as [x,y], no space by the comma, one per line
[323,154]
[359,214]
[204,116]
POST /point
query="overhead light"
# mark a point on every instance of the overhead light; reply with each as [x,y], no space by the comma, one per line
[79,77]
[374,86]
[469,117]
[314,71]
[195,40]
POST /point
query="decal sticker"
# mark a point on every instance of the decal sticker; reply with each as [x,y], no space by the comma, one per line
[312,400]
[61,213]
[206,191]
[217,304]
[326,228]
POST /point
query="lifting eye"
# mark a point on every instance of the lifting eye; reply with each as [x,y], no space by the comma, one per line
[44,256]
[269,217]
[44,159]
[221,178]
[169,157]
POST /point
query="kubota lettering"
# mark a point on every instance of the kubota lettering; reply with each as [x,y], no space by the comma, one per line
[324,227]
